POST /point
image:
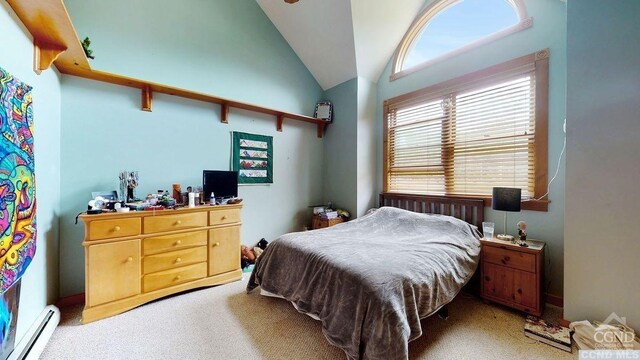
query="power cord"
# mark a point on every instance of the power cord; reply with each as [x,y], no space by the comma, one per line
[564,146]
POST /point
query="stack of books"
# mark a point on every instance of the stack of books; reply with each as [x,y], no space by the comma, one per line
[329,214]
[551,334]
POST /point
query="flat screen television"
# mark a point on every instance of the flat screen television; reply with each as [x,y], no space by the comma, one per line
[224,184]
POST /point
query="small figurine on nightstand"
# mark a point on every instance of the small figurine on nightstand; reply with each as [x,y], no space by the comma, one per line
[522,231]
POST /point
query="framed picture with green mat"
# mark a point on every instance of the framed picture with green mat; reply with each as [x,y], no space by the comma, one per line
[252,158]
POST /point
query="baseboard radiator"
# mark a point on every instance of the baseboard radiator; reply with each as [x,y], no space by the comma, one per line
[34,341]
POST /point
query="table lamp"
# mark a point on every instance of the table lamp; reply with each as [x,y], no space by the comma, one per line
[506,199]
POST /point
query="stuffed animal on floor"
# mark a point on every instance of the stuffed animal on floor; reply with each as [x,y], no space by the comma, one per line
[247,257]
[262,244]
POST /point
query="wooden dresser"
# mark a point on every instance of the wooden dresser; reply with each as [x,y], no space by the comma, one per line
[136,257]
[513,275]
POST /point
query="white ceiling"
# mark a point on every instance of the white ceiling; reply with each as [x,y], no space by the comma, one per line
[338,40]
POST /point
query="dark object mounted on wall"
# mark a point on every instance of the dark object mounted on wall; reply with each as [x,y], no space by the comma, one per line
[324,111]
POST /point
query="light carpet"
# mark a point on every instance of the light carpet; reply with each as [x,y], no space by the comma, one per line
[226,323]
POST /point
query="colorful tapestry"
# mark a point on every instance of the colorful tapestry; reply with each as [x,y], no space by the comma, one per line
[253,158]
[9,319]
[17,183]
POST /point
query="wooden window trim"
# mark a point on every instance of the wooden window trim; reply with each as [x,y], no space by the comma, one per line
[422,20]
[540,60]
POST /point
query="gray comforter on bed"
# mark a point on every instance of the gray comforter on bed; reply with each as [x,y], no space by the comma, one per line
[371,280]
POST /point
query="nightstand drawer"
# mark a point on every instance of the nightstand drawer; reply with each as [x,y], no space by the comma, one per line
[106,229]
[509,258]
[162,223]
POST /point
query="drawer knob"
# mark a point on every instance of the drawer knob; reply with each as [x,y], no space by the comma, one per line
[507,258]
[487,278]
[178,242]
[178,222]
[519,291]
[130,259]
[178,277]
[216,244]
[224,217]
[178,260]
[117,228]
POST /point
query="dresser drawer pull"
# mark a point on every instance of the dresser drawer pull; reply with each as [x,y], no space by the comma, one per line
[178,242]
[519,291]
[486,278]
[178,222]
[224,217]
[130,259]
[178,260]
[117,228]
[216,244]
[178,277]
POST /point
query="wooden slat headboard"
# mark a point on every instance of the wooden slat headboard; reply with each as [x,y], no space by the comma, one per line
[467,209]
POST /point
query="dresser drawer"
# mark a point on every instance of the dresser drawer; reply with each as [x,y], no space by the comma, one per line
[226,216]
[105,229]
[159,244]
[154,224]
[509,258]
[174,259]
[167,278]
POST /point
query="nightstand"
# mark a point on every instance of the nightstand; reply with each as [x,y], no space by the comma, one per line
[513,275]
[319,223]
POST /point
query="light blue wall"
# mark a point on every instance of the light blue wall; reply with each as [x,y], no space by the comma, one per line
[226,48]
[603,141]
[548,31]
[40,282]
[367,109]
[340,147]
[349,147]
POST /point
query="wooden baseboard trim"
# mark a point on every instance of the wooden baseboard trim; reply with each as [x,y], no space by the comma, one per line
[555,300]
[77,299]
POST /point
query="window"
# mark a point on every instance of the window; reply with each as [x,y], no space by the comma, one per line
[467,135]
[448,27]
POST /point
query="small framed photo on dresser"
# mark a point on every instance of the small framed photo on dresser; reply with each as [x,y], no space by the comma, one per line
[324,111]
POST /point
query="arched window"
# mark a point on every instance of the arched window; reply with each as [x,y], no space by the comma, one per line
[449,27]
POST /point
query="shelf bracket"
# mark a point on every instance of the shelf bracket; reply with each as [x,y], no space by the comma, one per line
[224,113]
[44,55]
[279,122]
[147,98]
[321,127]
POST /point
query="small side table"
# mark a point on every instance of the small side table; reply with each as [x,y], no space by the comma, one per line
[320,223]
[513,275]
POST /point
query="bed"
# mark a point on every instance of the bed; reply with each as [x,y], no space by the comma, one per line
[370,281]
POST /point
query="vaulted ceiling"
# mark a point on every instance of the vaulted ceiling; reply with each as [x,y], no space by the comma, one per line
[338,40]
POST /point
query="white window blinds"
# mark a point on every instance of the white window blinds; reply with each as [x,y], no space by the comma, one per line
[464,141]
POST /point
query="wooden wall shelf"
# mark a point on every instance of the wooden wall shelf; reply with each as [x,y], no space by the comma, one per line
[56,42]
